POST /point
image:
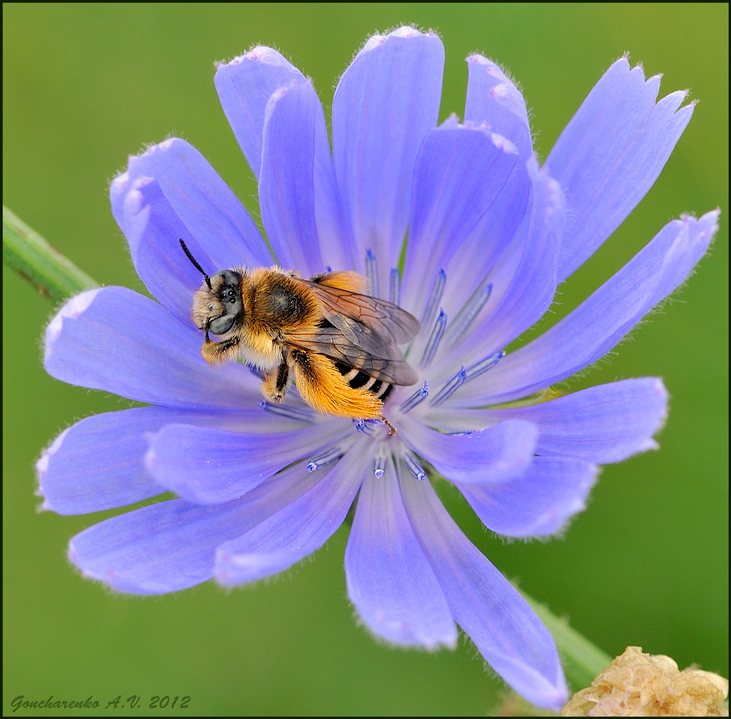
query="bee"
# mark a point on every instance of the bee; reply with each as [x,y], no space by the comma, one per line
[340,344]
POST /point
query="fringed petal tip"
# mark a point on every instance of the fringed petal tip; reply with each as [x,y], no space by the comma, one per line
[493,96]
[709,220]
[539,503]
[41,468]
[385,103]
[389,579]
[406,32]
[72,310]
[245,85]
[259,53]
[611,153]
[600,322]
[111,579]
[400,634]
[507,632]
[112,339]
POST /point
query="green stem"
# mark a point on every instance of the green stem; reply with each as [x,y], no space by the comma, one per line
[52,274]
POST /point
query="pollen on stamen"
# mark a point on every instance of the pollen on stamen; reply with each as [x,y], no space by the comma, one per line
[369,427]
[435,338]
[417,398]
[325,458]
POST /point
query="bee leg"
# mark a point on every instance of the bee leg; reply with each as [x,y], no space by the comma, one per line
[214,352]
[391,428]
[274,386]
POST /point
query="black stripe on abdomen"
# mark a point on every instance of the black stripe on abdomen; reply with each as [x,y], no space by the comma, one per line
[357,379]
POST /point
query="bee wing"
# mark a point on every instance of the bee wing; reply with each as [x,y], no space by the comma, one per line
[370,323]
[331,342]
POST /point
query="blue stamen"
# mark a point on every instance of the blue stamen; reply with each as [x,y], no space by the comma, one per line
[288,411]
[435,298]
[325,458]
[394,290]
[481,367]
[435,337]
[372,272]
[412,464]
[379,462]
[470,311]
[369,427]
[417,398]
[450,388]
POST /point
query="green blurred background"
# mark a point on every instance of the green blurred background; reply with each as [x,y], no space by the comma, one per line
[646,564]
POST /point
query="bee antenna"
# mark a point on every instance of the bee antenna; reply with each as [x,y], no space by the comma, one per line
[195,264]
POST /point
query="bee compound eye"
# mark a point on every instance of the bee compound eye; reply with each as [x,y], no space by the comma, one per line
[221,324]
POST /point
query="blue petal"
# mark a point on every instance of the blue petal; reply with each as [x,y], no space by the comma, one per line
[170,546]
[385,103]
[602,424]
[459,173]
[389,579]
[522,292]
[298,529]
[491,455]
[336,243]
[118,341]
[539,502]
[244,87]
[98,463]
[152,230]
[286,183]
[212,466]
[171,192]
[611,153]
[499,234]
[499,621]
[208,208]
[597,325]
[493,98]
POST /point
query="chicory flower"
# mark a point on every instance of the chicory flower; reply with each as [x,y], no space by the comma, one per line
[490,236]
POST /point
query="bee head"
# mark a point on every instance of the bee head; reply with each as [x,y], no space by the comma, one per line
[217,305]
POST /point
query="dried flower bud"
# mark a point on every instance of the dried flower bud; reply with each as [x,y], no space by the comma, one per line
[639,684]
